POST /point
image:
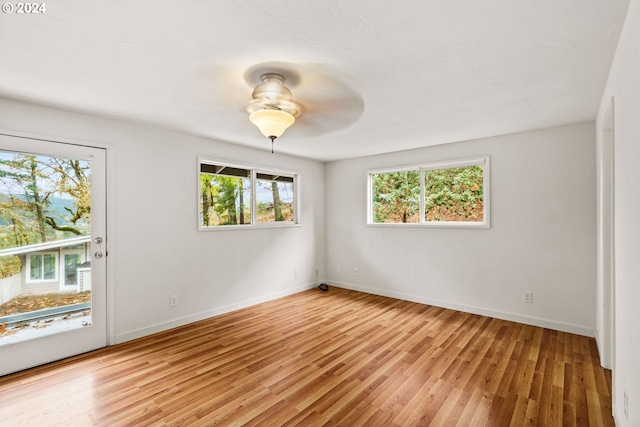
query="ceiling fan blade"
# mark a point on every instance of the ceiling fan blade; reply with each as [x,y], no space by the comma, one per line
[324,117]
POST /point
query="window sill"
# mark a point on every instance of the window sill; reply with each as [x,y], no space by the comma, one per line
[250,227]
[451,224]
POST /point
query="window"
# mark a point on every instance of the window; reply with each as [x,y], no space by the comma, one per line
[42,266]
[274,198]
[232,195]
[225,195]
[396,196]
[453,193]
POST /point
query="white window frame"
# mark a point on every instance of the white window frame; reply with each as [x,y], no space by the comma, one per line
[56,254]
[484,161]
[254,171]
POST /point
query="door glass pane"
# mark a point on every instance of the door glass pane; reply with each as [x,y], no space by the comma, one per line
[45,210]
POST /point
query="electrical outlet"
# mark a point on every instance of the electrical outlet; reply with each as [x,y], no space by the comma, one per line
[295,274]
[527,297]
[626,405]
[356,272]
[338,270]
[173,300]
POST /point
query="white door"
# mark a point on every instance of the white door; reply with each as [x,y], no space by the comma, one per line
[52,232]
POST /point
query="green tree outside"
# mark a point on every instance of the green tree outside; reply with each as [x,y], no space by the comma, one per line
[222,200]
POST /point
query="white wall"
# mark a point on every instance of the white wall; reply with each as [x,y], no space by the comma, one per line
[542,236]
[624,86]
[155,249]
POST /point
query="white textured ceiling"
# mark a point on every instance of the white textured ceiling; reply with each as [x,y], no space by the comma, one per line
[373,76]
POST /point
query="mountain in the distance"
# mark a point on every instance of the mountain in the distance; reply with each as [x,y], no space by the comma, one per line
[56,208]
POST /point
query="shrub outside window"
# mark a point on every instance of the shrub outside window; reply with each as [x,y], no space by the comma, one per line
[396,196]
[241,197]
[450,194]
[454,194]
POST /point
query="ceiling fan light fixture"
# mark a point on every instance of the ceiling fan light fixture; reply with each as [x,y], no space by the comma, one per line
[272,123]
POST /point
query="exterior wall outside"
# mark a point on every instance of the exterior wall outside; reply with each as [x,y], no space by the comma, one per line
[41,288]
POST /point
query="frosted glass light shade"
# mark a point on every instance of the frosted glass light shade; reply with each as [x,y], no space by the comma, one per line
[272,123]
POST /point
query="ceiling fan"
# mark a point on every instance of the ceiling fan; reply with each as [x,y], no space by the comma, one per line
[272,108]
[222,99]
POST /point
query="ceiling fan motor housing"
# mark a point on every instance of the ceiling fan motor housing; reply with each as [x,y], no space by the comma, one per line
[272,94]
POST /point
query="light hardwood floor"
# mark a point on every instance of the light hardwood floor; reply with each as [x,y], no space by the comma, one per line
[324,358]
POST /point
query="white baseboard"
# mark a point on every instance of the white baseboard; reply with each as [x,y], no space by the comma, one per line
[615,418]
[513,317]
[534,321]
[174,323]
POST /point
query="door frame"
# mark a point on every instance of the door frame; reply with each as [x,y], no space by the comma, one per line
[605,311]
[110,212]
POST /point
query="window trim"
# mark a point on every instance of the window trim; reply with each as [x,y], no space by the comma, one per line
[254,170]
[484,161]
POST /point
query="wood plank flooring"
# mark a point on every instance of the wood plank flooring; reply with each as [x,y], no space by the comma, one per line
[324,358]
